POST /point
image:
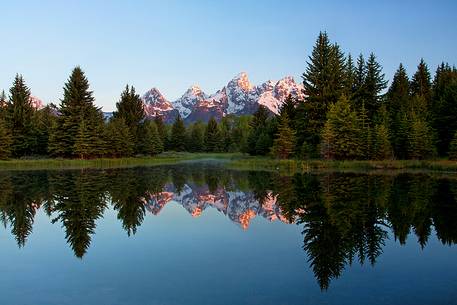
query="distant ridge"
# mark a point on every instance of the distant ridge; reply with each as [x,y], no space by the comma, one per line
[238,97]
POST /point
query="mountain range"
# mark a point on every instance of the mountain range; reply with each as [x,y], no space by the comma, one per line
[238,97]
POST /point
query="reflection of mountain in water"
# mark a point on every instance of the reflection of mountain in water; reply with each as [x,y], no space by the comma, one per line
[240,207]
[344,218]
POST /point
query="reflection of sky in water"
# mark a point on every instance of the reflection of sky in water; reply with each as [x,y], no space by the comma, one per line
[175,258]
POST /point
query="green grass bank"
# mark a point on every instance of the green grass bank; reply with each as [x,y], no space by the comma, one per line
[235,161]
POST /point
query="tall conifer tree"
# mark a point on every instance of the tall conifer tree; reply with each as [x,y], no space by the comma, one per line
[77,106]
[19,118]
[130,109]
[212,136]
[444,106]
[324,81]
[284,143]
[178,135]
[398,107]
[341,137]
[373,87]
[5,141]
[197,137]
[421,83]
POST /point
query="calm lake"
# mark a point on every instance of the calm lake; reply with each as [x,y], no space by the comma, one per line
[199,233]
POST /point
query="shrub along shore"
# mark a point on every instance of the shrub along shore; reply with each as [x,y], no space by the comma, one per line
[235,161]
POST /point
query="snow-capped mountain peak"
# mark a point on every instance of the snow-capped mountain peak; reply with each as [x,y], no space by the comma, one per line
[155,104]
[194,90]
[185,103]
[241,81]
[238,97]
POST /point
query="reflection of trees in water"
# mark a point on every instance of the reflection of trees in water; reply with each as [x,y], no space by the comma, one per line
[345,217]
[79,200]
[20,197]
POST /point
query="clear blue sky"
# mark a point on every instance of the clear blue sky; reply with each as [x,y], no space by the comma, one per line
[174,44]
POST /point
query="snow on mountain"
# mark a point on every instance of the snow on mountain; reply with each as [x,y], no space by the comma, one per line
[273,96]
[191,97]
[155,104]
[240,93]
[238,97]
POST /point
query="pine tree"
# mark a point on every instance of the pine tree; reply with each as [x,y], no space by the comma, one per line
[444,106]
[197,137]
[3,105]
[420,138]
[178,135]
[374,85]
[359,95]
[328,144]
[163,132]
[150,142]
[263,144]
[453,148]
[289,108]
[257,132]
[240,133]
[225,133]
[76,106]
[366,140]
[96,125]
[5,141]
[212,136]
[157,144]
[284,143]
[350,75]
[130,108]
[119,140]
[382,149]
[399,108]
[56,136]
[19,118]
[421,84]
[90,142]
[323,81]
[341,134]
[82,146]
[43,120]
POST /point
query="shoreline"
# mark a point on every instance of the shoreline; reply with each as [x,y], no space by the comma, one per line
[235,161]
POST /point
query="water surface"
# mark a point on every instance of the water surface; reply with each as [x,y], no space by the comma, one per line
[202,234]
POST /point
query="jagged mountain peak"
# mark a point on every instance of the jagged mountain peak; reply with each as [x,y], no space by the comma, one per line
[241,80]
[155,104]
[153,92]
[287,80]
[188,100]
[194,90]
[238,97]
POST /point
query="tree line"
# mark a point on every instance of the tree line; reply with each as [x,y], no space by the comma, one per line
[347,114]
[77,128]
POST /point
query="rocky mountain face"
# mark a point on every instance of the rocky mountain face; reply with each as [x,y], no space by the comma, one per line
[155,104]
[238,97]
[239,207]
